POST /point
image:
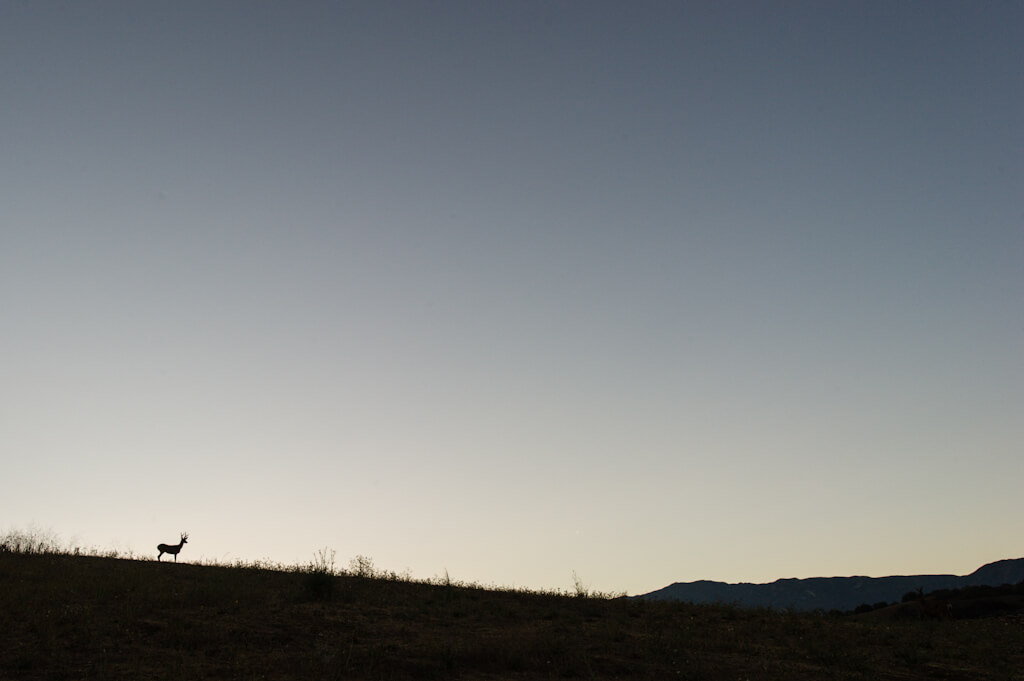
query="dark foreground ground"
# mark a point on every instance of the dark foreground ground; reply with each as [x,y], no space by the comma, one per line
[71,617]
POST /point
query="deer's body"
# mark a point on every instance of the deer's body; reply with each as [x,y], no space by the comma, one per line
[172,548]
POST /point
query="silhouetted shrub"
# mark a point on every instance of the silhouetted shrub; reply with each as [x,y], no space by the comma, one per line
[320,576]
[362,566]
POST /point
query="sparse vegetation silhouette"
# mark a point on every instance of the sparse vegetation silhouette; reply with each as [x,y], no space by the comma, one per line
[320,575]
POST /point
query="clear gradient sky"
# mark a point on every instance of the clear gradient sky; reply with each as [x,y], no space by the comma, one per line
[648,291]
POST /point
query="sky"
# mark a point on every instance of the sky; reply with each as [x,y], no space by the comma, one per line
[643,292]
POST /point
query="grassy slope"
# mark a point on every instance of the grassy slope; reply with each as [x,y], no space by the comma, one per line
[85,617]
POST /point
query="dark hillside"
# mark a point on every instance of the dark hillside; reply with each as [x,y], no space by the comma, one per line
[1001,572]
[972,602]
[85,617]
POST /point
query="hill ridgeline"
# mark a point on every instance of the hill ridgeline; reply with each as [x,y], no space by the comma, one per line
[834,593]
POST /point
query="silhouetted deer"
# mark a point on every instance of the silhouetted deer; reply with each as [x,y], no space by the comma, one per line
[172,548]
[934,609]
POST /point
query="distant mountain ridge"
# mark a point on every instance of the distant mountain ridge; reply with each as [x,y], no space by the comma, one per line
[835,593]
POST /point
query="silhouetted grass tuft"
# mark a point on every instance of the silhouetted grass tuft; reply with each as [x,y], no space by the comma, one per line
[321,575]
[32,541]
